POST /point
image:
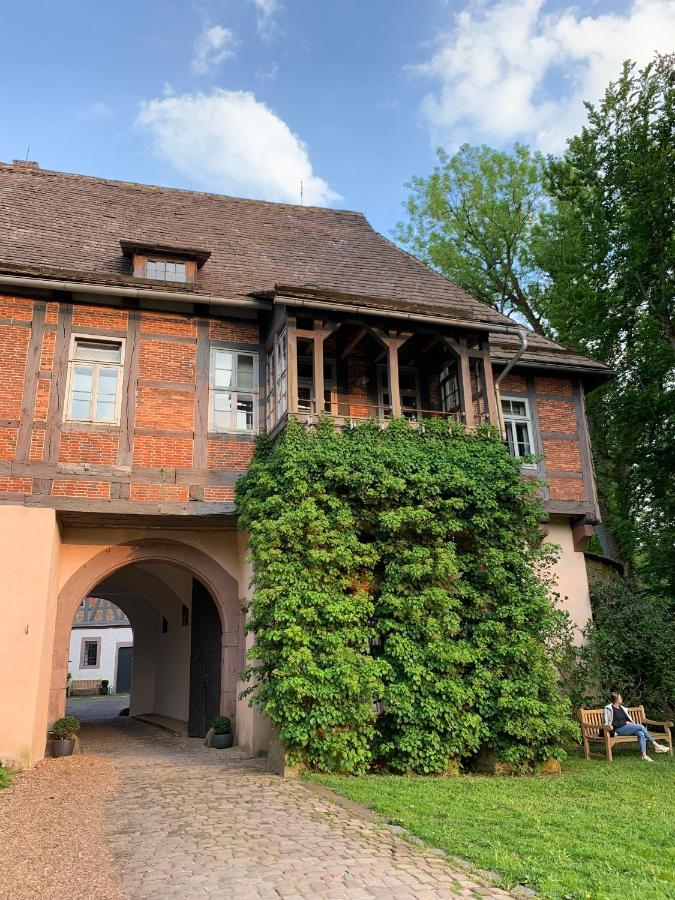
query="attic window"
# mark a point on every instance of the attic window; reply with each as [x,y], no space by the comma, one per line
[165,263]
[165,270]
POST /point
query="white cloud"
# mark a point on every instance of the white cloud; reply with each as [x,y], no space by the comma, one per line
[266,18]
[214,45]
[512,69]
[268,74]
[228,141]
[97,110]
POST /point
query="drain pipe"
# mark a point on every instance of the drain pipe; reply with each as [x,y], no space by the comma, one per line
[522,336]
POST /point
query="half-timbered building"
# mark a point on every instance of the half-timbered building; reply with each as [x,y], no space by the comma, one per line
[147,335]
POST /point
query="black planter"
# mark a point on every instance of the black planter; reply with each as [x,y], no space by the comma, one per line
[221,741]
[63,746]
[104,689]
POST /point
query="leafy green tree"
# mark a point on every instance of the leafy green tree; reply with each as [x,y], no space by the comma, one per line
[628,647]
[474,218]
[608,247]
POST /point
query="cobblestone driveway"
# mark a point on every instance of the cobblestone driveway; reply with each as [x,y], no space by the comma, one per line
[190,822]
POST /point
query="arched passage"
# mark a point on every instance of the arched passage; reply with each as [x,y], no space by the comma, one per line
[134,565]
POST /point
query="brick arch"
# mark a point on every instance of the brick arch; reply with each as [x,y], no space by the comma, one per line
[222,587]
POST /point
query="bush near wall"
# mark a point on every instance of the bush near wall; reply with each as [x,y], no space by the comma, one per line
[398,618]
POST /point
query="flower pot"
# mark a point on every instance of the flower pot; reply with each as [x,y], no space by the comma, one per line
[103,690]
[63,746]
[221,741]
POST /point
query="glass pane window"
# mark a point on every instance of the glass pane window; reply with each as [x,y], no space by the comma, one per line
[94,380]
[409,391]
[518,426]
[450,395]
[234,390]
[165,270]
[306,391]
[90,654]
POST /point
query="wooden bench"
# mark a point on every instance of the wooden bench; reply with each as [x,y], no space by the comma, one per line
[595,732]
[85,687]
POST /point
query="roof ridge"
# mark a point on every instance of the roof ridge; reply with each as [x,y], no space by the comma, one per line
[37,170]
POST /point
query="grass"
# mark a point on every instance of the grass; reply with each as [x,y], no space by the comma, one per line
[4,778]
[599,830]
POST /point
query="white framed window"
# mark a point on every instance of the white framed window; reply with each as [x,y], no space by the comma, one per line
[165,270]
[233,391]
[277,389]
[89,653]
[306,393]
[94,379]
[409,391]
[450,393]
[518,426]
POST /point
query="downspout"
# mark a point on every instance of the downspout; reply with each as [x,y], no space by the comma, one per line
[522,336]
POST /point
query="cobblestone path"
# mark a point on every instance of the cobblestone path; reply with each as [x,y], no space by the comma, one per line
[186,821]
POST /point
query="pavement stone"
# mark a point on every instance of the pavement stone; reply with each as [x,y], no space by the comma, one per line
[186,821]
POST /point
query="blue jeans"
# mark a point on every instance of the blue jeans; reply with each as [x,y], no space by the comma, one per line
[642,734]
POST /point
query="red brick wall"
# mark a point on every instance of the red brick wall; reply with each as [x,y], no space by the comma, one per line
[553,386]
[557,415]
[160,323]
[566,488]
[99,317]
[16,485]
[94,490]
[165,361]
[237,332]
[513,383]
[154,452]
[165,409]
[164,492]
[562,456]
[224,455]
[8,442]
[13,352]
[167,354]
[88,447]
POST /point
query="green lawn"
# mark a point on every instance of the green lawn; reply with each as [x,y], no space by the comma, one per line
[598,830]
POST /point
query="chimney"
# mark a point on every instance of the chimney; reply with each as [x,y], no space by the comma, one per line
[25,164]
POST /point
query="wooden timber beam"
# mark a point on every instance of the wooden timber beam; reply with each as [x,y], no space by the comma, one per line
[465,384]
[354,343]
[292,357]
[488,381]
[393,343]
[318,367]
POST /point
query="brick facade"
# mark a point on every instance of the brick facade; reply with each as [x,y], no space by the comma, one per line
[151,457]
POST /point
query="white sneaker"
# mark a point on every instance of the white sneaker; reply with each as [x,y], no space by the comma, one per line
[661,749]
[647,758]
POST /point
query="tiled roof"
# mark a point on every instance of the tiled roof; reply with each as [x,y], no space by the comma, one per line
[54,224]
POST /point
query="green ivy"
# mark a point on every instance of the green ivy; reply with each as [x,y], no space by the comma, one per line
[398,617]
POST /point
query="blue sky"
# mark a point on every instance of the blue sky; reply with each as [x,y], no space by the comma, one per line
[254,96]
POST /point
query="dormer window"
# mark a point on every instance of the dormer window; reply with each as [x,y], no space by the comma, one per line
[165,270]
[161,262]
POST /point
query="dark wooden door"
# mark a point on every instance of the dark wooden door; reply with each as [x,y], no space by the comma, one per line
[206,637]
[125,657]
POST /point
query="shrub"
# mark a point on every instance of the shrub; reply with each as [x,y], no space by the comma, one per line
[628,647]
[66,728]
[221,725]
[397,614]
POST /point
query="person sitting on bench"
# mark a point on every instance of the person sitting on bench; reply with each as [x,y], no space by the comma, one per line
[619,718]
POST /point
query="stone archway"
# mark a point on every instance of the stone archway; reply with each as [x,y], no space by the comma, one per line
[222,587]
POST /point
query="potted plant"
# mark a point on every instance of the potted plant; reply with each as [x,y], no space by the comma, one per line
[104,686]
[222,733]
[64,731]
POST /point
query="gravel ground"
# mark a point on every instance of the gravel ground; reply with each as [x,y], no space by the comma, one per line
[52,842]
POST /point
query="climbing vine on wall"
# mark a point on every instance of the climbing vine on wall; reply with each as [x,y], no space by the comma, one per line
[398,618]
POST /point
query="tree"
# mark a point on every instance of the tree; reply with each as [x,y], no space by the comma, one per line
[608,247]
[473,219]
